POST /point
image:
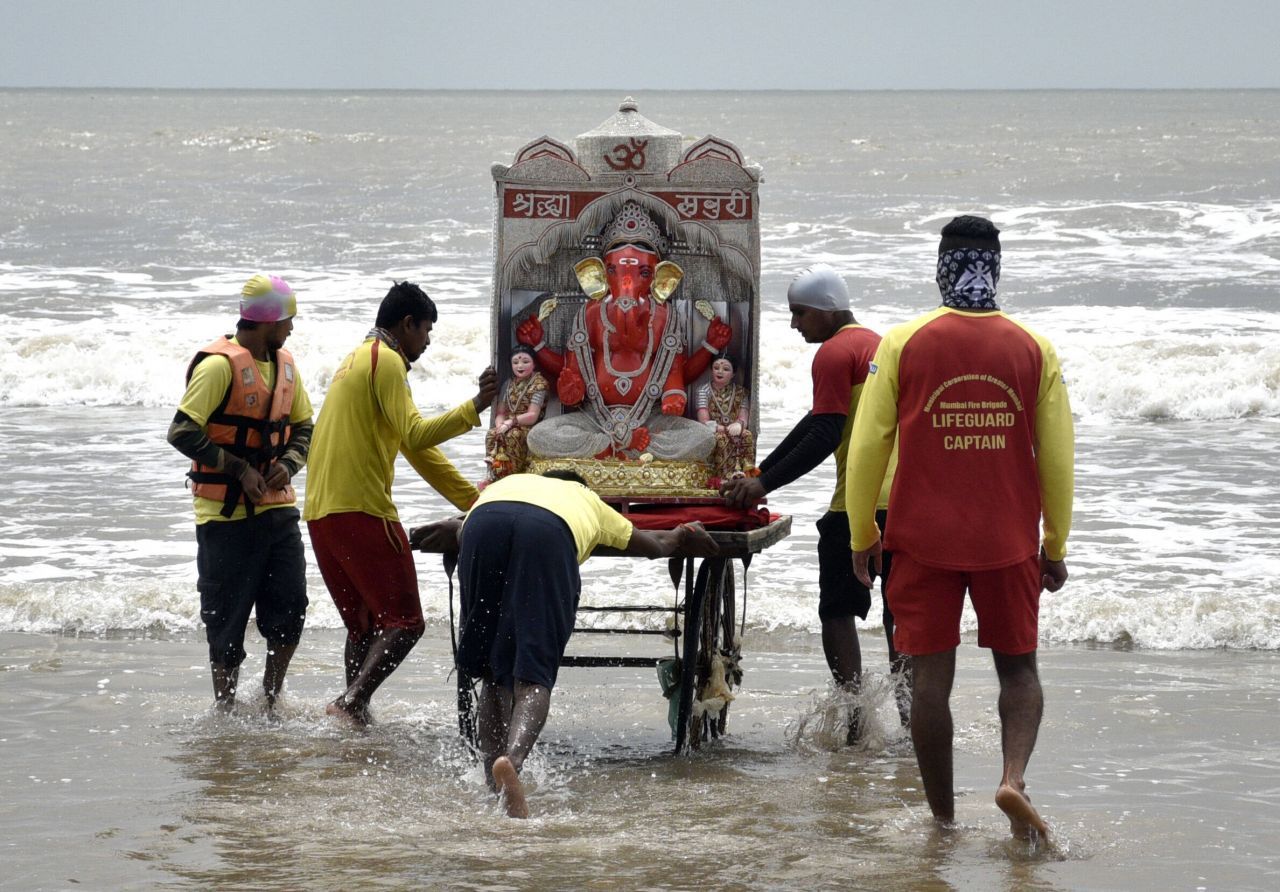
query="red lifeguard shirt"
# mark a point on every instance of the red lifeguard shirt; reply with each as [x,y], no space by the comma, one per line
[985,443]
[839,372]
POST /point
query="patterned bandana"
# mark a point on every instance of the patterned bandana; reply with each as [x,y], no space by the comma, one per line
[967,278]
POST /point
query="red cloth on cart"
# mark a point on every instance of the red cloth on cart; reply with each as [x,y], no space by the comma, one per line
[713,517]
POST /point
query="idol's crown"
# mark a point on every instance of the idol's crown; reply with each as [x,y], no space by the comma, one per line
[634,226]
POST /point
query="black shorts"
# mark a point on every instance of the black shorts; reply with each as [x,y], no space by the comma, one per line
[518,565]
[839,591]
[251,565]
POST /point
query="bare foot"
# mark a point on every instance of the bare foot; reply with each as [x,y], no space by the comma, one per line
[1023,817]
[357,716]
[510,788]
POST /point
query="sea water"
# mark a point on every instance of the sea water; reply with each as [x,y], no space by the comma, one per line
[1141,235]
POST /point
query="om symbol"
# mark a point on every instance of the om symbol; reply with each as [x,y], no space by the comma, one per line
[628,155]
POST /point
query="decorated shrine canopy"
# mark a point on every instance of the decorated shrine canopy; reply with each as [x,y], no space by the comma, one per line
[696,204]
[554,202]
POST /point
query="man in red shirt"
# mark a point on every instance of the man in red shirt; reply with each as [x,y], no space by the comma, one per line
[819,303]
[985,451]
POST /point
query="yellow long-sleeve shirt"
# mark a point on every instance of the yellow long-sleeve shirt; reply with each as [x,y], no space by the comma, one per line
[367,417]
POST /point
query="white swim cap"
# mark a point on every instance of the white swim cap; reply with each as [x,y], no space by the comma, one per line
[820,287]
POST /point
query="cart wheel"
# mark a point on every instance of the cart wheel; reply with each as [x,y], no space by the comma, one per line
[708,630]
[693,600]
[727,643]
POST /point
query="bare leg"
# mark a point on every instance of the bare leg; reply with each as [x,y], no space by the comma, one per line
[388,650]
[278,658]
[493,716]
[931,730]
[900,671]
[528,714]
[356,651]
[225,681]
[844,659]
[1021,708]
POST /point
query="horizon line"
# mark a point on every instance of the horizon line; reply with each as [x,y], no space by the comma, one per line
[629,90]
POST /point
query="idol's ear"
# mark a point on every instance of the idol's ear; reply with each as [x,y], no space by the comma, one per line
[666,276]
[590,274]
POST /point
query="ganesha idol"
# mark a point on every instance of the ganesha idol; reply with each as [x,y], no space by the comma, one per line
[625,366]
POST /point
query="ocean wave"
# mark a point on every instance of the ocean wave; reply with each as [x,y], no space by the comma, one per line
[1120,363]
[1073,248]
[781,597]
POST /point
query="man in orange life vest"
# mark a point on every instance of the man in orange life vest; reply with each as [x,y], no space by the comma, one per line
[245,423]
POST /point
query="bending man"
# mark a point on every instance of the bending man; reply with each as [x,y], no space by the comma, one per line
[521,546]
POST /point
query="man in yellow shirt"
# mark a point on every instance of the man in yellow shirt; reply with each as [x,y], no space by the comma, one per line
[521,546]
[245,422]
[367,418]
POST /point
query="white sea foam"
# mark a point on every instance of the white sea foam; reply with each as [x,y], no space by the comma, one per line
[1152,263]
[1121,362]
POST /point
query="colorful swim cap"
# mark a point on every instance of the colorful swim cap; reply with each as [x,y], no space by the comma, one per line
[820,287]
[267,299]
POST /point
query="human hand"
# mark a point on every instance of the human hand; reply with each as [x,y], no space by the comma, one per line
[734,429]
[867,563]
[277,476]
[742,492]
[1053,574]
[488,389]
[674,404]
[529,332]
[570,387]
[694,540]
[719,334]
[440,536]
[255,487]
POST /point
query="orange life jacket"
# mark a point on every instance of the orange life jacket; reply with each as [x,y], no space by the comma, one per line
[251,422]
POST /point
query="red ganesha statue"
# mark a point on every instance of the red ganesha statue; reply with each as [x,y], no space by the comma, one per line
[625,367]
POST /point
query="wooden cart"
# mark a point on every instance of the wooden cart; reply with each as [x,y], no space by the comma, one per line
[706,626]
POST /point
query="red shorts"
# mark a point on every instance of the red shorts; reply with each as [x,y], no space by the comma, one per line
[927,601]
[368,567]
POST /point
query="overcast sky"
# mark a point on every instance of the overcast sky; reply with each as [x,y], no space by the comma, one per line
[695,44]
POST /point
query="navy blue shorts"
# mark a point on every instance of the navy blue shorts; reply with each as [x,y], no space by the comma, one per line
[518,565]
[252,565]
[839,591]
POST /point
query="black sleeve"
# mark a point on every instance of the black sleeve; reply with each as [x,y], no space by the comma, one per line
[190,439]
[793,437]
[802,450]
[295,453]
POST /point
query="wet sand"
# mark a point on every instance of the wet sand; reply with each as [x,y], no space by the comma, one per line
[1155,770]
